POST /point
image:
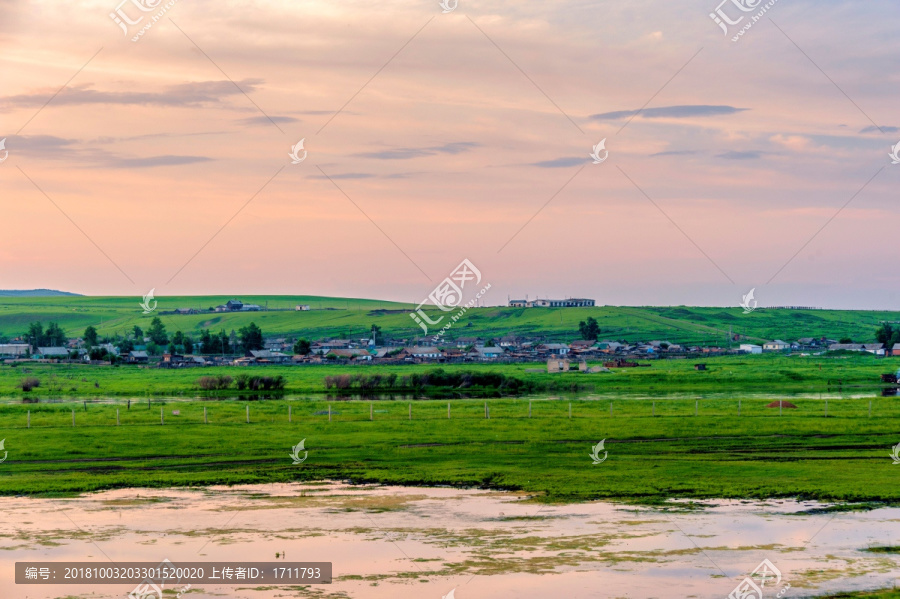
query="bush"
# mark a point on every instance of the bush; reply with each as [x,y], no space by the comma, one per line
[214,383]
[29,383]
[241,380]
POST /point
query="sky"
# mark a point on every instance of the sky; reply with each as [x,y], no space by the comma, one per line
[431,137]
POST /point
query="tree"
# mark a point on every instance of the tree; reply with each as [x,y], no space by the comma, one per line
[55,336]
[172,349]
[36,334]
[126,346]
[376,335]
[157,332]
[302,347]
[138,334]
[90,336]
[188,345]
[589,330]
[846,340]
[178,338]
[888,335]
[153,349]
[251,337]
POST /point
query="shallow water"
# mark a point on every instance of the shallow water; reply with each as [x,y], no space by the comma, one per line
[405,543]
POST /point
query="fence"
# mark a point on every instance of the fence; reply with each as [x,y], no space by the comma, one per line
[173,413]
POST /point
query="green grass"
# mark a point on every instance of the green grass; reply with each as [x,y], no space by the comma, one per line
[353,317]
[884,594]
[773,374]
[675,454]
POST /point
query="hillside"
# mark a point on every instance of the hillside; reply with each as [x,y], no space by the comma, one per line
[36,293]
[343,317]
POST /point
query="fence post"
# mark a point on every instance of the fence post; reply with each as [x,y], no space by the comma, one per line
[610,407]
[162,420]
[205,421]
[371,411]
[410,411]
[248,414]
[73,417]
[485,410]
[289,413]
[448,410]
[826,407]
[117,416]
[780,405]
[654,409]
[29,418]
[529,408]
[870,408]
[570,410]
[129,404]
[696,407]
[329,412]
[85,404]
[739,407]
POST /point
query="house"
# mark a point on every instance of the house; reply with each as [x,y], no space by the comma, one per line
[583,367]
[895,351]
[138,357]
[509,341]
[874,348]
[52,353]
[467,341]
[185,311]
[490,353]
[518,303]
[564,303]
[582,344]
[749,348]
[234,305]
[267,355]
[846,347]
[110,348]
[556,365]
[777,345]
[424,352]
[302,307]
[250,308]
[556,349]
[609,347]
[699,366]
[349,354]
[14,350]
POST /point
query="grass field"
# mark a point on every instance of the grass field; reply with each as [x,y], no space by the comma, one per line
[339,317]
[798,453]
[730,375]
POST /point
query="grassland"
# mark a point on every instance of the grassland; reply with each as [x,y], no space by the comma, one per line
[766,373]
[339,317]
[657,449]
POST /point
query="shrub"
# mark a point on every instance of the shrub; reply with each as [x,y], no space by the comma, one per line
[214,383]
[29,383]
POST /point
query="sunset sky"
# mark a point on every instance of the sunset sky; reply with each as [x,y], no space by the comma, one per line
[164,162]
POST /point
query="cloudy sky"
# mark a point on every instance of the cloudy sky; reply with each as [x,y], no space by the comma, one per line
[432,137]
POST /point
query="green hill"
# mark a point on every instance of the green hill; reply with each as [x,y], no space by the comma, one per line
[343,317]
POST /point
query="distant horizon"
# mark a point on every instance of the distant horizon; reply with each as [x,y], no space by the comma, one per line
[55,293]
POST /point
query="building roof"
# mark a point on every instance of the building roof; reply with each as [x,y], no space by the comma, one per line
[53,351]
[266,353]
[423,350]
